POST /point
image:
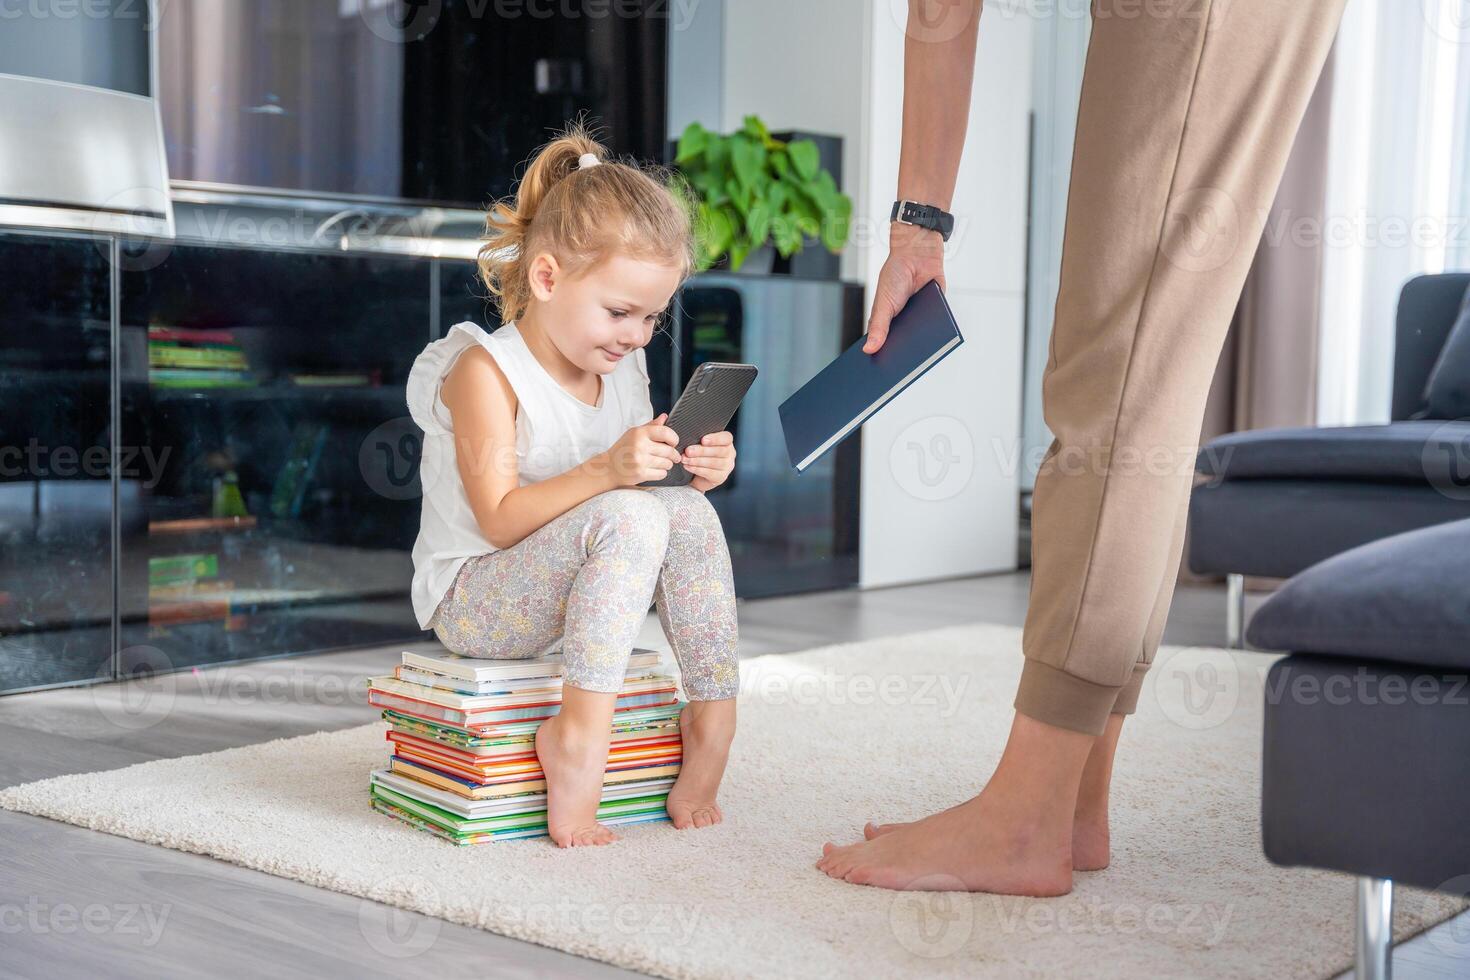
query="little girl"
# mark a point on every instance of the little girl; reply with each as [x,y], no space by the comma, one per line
[535,438]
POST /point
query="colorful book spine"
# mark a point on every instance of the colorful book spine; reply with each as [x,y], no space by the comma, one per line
[463,763]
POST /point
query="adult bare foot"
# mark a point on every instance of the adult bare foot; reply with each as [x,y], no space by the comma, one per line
[977,846]
[573,754]
[1014,838]
[1091,839]
[707,729]
[872,829]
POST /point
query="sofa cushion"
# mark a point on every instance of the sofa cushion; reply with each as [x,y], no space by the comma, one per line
[1420,451]
[1361,770]
[1277,528]
[1404,599]
[1447,393]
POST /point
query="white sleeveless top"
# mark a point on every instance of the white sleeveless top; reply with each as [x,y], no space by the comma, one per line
[555,431]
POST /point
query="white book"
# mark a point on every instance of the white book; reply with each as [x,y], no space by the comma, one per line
[477,669]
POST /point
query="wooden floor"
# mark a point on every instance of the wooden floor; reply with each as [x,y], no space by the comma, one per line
[78,903]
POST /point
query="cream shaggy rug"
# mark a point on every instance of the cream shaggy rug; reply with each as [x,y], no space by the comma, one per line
[887,729]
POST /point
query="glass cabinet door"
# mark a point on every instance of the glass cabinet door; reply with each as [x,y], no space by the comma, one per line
[55,469]
[267,390]
[788,532]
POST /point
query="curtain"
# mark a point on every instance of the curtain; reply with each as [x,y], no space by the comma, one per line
[1397,201]
[1267,374]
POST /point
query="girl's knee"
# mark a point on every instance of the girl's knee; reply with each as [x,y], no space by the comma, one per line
[687,507]
[631,516]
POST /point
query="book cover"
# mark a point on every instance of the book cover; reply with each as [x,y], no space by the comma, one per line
[476,704]
[850,390]
[478,669]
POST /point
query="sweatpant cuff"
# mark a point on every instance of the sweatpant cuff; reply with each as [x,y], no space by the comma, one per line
[1127,702]
[1055,697]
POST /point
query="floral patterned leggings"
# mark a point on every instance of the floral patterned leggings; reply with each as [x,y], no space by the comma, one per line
[589,575]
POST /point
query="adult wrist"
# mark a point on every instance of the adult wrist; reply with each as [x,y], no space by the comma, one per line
[913,238]
[923,215]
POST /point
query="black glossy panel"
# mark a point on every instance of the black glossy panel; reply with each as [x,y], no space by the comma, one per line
[55,472]
[788,531]
[438,101]
[265,390]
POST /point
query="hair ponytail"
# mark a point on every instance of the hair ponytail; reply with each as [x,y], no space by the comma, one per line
[578,214]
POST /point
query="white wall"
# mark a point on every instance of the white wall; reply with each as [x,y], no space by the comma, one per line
[940,487]
[800,65]
[940,491]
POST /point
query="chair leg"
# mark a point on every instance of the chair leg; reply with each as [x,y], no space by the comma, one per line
[1235,612]
[1375,929]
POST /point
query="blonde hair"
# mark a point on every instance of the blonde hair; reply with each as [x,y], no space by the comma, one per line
[581,214]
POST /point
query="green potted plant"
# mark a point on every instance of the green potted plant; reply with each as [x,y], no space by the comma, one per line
[752,189]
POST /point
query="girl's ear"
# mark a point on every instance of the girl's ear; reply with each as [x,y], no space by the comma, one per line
[543,273]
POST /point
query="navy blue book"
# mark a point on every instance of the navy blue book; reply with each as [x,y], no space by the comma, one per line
[850,390]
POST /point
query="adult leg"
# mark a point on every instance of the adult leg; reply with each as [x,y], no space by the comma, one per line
[695,594]
[588,575]
[1189,109]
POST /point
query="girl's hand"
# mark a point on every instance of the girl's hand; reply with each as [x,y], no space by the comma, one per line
[645,452]
[711,460]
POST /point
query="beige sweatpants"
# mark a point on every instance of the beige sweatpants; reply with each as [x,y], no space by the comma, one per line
[1189,111]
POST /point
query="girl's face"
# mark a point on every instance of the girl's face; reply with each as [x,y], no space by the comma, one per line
[604,314]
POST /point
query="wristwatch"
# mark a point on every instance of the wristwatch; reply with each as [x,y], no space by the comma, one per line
[923,215]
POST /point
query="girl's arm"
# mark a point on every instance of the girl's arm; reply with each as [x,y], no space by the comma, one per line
[482,407]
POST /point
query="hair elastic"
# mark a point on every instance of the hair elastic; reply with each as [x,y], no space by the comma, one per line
[587,160]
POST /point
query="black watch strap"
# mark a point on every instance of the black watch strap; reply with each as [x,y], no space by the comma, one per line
[923,215]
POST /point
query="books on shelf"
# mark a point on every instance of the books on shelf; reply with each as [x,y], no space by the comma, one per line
[183,358]
[462,744]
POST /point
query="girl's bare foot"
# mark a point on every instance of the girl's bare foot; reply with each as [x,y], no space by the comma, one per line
[573,750]
[707,729]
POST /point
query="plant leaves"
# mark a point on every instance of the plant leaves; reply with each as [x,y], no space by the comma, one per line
[805,157]
[739,196]
[776,197]
[691,142]
[738,252]
[748,160]
[756,129]
[786,235]
[720,232]
[758,224]
[717,155]
[837,227]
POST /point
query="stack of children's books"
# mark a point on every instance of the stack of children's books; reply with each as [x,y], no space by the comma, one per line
[462,733]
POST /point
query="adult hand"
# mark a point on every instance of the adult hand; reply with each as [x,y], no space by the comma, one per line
[711,461]
[915,255]
[645,452]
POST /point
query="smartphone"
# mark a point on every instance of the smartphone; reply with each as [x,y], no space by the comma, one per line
[707,405]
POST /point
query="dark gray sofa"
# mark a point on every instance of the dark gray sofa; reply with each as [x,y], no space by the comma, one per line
[1367,724]
[1273,502]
